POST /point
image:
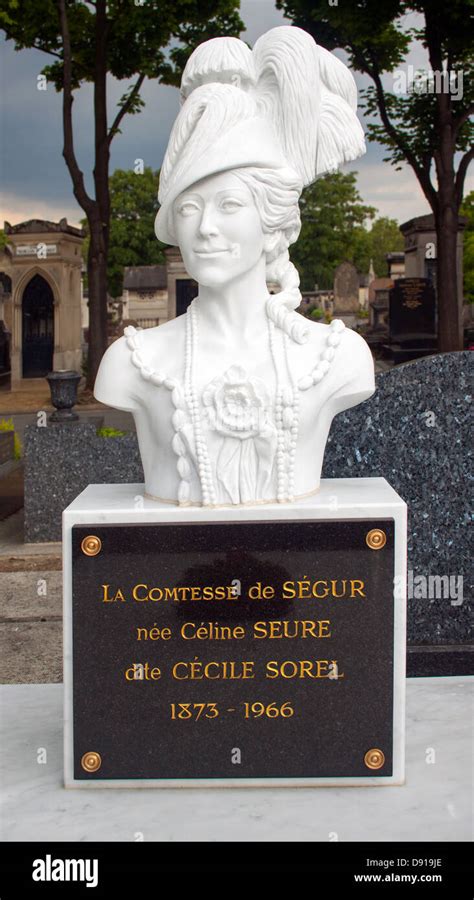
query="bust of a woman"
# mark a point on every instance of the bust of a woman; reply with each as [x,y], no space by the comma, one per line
[233,400]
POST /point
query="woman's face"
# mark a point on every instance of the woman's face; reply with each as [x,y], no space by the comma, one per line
[218,229]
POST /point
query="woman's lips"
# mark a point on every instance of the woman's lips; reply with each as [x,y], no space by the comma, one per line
[210,252]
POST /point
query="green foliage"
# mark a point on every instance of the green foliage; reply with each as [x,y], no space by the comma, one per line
[133,205]
[3,239]
[383,237]
[109,432]
[467,209]
[469,267]
[7,425]
[334,229]
[126,39]
[376,39]
[138,34]
[331,208]
[312,311]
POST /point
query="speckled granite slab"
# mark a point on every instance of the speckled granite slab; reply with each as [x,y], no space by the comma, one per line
[413,432]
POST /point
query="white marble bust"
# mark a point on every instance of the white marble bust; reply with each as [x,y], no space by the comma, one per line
[233,401]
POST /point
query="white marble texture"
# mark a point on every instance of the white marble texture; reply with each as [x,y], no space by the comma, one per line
[233,401]
[338,498]
[433,805]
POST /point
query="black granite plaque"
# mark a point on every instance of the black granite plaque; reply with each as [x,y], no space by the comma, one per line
[412,309]
[233,650]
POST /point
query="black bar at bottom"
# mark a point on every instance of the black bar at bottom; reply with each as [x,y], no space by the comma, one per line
[129,869]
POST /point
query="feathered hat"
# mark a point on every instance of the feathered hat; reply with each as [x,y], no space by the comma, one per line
[289,103]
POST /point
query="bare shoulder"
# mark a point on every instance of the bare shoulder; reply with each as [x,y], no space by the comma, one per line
[113,384]
[356,368]
[165,332]
[357,345]
[163,346]
[352,369]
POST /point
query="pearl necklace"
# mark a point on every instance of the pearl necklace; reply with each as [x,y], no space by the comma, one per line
[286,406]
[202,455]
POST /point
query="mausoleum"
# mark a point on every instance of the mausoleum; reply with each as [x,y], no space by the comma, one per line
[43,310]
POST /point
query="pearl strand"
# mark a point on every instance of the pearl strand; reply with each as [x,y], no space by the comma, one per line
[178,418]
[323,364]
[292,422]
[282,474]
[202,455]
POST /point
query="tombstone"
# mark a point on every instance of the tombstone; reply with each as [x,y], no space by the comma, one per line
[346,293]
[412,319]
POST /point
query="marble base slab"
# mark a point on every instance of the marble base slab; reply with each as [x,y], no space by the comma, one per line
[435,804]
[338,500]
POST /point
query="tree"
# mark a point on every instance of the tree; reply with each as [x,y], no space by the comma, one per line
[384,237]
[124,38]
[428,126]
[331,211]
[132,242]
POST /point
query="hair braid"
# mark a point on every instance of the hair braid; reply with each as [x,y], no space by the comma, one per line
[276,193]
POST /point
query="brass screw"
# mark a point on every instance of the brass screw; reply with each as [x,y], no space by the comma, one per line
[376,539]
[91,761]
[374,759]
[91,545]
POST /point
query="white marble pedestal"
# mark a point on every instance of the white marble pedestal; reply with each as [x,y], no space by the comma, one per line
[338,500]
[434,804]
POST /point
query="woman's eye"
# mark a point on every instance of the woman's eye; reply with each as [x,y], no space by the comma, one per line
[187,209]
[231,205]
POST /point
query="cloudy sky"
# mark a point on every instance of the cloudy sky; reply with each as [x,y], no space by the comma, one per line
[36,183]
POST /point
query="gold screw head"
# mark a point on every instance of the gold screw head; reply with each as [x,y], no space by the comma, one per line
[91,545]
[91,761]
[374,759]
[376,539]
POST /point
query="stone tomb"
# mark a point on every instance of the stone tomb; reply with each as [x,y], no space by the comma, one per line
[235,647]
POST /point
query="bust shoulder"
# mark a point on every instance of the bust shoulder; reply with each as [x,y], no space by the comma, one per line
[350,372]
[163,347]
[112,385]
[118,380]
[355,369]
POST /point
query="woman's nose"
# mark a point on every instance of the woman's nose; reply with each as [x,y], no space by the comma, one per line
[207,225]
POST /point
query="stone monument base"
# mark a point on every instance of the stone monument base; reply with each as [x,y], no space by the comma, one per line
[256,646]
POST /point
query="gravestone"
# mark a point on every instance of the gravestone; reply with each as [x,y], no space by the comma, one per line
[346,293]
[412,319]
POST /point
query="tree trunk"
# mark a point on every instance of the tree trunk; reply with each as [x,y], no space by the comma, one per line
[446,208]
[450,331]
[99,226]
[97,279]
